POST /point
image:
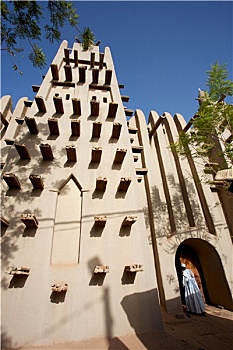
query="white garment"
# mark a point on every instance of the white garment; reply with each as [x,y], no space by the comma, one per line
[193,298]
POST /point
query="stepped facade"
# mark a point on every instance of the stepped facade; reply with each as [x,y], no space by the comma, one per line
[98,212]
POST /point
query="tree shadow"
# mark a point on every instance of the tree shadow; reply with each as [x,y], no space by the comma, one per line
[161,216]
[144,315]
[7,342]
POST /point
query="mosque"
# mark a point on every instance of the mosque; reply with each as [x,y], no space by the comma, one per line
[98,212]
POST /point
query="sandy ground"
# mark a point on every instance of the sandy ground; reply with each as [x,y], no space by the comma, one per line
[214,332]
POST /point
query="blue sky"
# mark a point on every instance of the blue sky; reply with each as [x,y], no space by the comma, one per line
[161,50]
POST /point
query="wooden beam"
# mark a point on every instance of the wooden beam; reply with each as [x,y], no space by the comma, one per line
[101,183]
[75,127]
[96,154]
[76,58]
[92,60]
[120,155]
[108,77]
[46,151]
[95,106]
[40,104]
[116,130]
[67,56]
[36,181]
[124,184]
[71,153]
[82,74]
[68,72]
[95,76]
[54,71]
[29,220]
[112,110]
[12,180]
[22,151]
[76,106]
[96,129]
[31,124]
[101,60]
[58,104]
[53,126]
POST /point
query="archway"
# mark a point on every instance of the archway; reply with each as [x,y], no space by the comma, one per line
[203,259]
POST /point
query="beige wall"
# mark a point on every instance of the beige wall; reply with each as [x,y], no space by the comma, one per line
[170,208]
[66,246]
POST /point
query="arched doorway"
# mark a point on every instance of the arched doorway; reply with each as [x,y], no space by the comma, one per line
[203,259]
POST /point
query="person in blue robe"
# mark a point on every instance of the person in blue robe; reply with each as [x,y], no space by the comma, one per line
[193,299]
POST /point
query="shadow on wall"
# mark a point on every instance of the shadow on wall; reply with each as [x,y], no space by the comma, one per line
[161,215]
[143,312]
[6,342]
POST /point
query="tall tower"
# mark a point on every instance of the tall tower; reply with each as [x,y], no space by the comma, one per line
[75,245]
[98,212]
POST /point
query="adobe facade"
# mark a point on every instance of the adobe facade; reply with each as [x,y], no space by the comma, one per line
[98,213]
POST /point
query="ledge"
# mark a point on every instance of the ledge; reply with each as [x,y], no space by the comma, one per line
[137,149]
[132,130]
[23,270]
[59,287]
[100,220]
[35,88]
[124,98]
[63,83]
[28,103]
[129,112]
[134,268]
[29,220]
[101,269]
[99,87]
[9,142]
[141,171]
[129,220]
